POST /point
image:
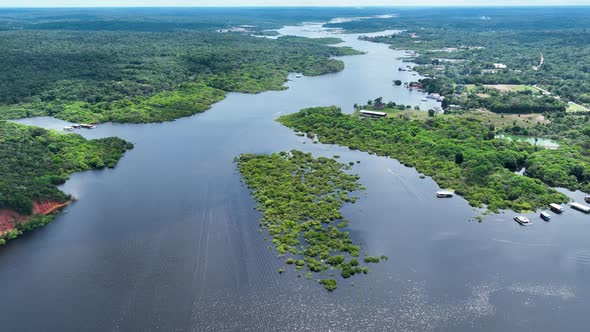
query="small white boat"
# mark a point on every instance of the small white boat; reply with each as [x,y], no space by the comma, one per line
[444,194]
[298,75]
[522,220]
[545,215]
[87,126]
[68,128]
[424,99]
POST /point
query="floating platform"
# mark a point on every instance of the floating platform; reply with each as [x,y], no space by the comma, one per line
[580,207]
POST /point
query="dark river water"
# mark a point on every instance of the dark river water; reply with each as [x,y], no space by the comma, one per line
[169,240]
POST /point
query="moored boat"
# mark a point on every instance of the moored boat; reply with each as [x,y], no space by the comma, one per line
[444,194]
[68,128]
[556,208]
[545,215]
[580,207]
[587,199]
[522,220]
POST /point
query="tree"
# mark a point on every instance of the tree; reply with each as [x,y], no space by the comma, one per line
[431,112]
[459,158]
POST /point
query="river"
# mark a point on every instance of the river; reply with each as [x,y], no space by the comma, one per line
[169,240]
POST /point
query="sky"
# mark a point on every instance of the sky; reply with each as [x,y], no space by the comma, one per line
[195,3]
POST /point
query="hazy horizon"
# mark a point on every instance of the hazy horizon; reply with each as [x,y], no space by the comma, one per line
[282,3]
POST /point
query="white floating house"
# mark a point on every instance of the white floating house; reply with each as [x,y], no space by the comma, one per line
[444,194]
[373,114]
[556,208]
[580,207]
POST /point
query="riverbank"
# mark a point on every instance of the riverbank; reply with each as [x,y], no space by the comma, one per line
[34,162]
[14,224]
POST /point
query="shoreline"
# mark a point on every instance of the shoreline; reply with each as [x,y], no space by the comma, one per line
[11,220]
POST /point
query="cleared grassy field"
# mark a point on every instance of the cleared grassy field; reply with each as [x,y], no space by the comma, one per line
[571,107]
[503,87]
[498,120]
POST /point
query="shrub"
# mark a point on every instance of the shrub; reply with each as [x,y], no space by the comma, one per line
[329,284]
[371,259]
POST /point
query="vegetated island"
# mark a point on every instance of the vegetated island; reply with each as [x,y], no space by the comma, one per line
[134,76]
[300,197]
[34,162]
[460,153]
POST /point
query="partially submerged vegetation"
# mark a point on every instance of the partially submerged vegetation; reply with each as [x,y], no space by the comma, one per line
[457,152]
[300,197]
[35,161]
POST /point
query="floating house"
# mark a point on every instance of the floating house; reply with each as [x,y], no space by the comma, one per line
[444,194]
[373,114]
[545,215]
[522,220]
[435,96]
[580,207]
[556,208]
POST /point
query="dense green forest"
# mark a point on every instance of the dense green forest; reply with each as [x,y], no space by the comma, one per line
[127,74]
[300,197]
[526,60]
[165,19]
[35,161]
[464,44]
[457,152]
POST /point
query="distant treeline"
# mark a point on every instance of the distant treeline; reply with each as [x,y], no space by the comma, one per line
[106,74]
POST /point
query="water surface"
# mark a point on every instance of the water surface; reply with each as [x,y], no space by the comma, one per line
[169,240]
